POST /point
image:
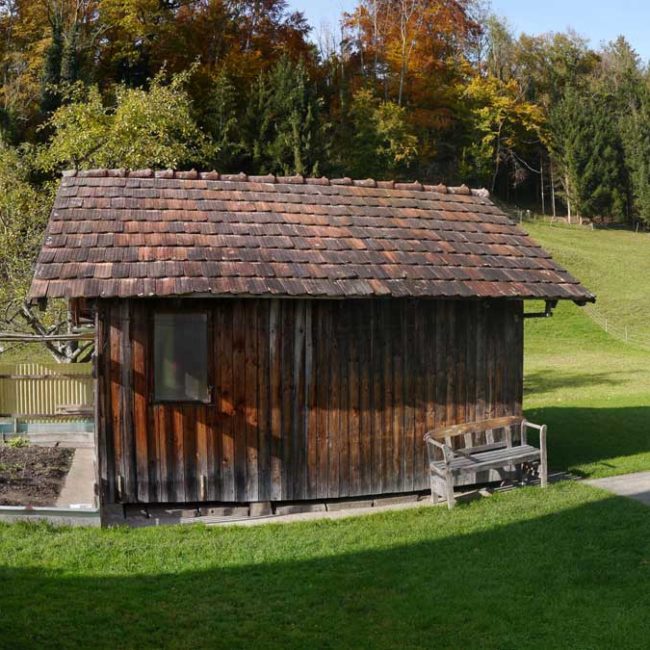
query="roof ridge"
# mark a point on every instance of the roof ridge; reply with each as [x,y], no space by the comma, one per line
[298,179]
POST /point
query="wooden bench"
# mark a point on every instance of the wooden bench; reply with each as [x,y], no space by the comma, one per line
[446,464]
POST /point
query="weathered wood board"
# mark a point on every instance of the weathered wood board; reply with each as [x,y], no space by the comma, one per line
[311,399]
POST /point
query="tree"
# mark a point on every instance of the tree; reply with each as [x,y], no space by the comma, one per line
[52,71]
[223,124]
[143,128]
[24,209]
[635,128]
[243,36]
[382,144]
[587,148]
[404,44]
[284,130]
[500,56]
[73,29]
[505,126]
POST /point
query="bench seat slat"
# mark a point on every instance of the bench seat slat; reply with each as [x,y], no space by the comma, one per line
[490,459]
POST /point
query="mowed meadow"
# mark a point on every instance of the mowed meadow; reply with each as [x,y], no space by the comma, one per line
[565,567]
[590,388]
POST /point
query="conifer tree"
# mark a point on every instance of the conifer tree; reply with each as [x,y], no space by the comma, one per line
[70,56]
[285,131]
[382,144]
[222,123]
[587,148]
[51,77]
[635,129]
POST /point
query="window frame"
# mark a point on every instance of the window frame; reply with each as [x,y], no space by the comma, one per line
[175,311]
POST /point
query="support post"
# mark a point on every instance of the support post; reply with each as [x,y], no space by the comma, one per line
[543,467]
[434,491]
[451,499]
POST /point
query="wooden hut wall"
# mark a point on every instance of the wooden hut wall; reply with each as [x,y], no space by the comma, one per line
[312,399]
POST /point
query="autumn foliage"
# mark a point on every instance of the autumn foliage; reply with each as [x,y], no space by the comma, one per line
[438,90]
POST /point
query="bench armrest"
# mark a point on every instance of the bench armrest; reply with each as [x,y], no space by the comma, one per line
[543,430]
[447,451]
[538,427]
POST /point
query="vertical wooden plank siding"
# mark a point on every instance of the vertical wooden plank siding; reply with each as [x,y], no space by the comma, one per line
[263,402]
[365,432]
[250,400]
[224,396]
[104,420]
[274,380]
[322,351]
[344,337]
[333,410]
[116,392]
[353,408]
[310,399]
[141,402]
[239,328]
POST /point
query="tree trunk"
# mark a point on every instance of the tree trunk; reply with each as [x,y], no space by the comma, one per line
[553,191]
[541,168]
[497,159]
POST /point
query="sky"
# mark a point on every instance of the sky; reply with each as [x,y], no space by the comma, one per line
[598,20]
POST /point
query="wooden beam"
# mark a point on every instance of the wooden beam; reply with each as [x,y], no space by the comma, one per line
[13,337]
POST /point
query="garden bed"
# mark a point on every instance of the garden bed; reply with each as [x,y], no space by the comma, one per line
[32,476]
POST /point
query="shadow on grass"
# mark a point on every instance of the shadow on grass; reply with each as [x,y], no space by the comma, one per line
[552,380]
[575,578]
[581,436]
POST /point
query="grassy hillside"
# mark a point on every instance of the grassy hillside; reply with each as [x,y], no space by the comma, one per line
[592,390]
[613,264]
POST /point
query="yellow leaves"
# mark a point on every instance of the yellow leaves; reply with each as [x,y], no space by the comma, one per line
[498,103]
[505,125]
[144,128]
[132,23]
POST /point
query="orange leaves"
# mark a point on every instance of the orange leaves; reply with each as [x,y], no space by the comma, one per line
[405,44]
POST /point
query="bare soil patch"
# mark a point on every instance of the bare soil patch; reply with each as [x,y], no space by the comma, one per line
[32,476]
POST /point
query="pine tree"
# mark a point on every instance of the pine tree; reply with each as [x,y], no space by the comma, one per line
[382,144]
[636,139]
[285,133]
[257,125]
[51,76]
[70,56]
[588,149]
[222,123]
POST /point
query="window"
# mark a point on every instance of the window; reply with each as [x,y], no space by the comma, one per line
[181,357]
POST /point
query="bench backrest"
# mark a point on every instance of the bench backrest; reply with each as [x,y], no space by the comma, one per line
[478,436]
[476,427]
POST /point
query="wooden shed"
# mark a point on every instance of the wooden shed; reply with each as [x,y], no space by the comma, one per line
[289,339]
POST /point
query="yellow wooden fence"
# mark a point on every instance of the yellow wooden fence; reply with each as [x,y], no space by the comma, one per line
[43,389]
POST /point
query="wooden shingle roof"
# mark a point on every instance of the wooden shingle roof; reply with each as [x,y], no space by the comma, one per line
[140,233]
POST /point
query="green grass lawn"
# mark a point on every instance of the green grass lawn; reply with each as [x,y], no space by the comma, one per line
[615,264]
[568,567]
[564,568]
[593,391]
